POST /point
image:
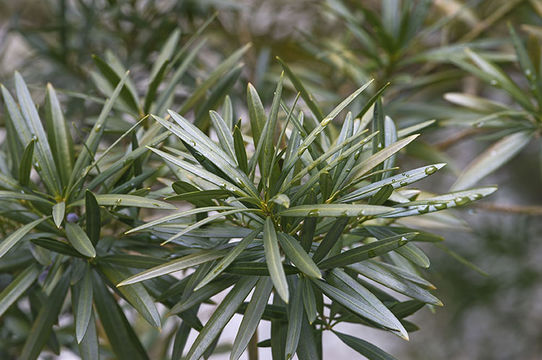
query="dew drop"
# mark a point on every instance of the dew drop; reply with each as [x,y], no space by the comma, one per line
[430,170]
[423,209]
[313,212]
[461,200]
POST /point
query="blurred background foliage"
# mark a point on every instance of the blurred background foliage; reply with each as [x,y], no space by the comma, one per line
[418,47]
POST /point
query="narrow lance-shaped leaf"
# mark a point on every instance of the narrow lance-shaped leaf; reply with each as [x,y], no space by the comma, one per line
[325,122]
[82,302]
[440,202]
[335,210]
[298,256]
[305,94]
[79,240]
[397,181]
[363,347]
[273,259]
[213,78]
[17,235]
[93,220]
[59,135]
[229,258]
[44,155]
[220,317]
[268,134]
[295,318]
[89,347]
[26,164]
[95,135]
[59,210]
[17,287]
[492,159]
[128,200]
[256,113]
[47,317]
[367,251]
[377,158]
[175,265]
[124,342]
[135,294]
[252,317]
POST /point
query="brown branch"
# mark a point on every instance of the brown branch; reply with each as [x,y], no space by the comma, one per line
[511,209]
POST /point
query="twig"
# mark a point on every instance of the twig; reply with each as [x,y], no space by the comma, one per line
[512,209]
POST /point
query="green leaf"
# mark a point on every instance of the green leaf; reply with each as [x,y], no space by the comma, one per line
[490,73]
[298,256]
[26,164]
[196,139]
[251,317]
[224,134]
[379,157]
[363,347]
[47,317]
[59,135]
[305,94]
[201,173]
[166,96]
[216,75]
[178,216]
[166,53]
[135,294]
[82,302]
[256,113]
[93,220]
[307,141]
[89,347]
[221,316]
[229,258]
[295,318]
[17,235]
[397,181]
[44,156]
[256,268]
[200,196]
[59,210]
[309,300]
[60,247]
[268,134]
[330,239]
[383,274]
[335,210]
[17,287]
[121,335]
[367,251]
[113,76]
[206,220]
[202,294]
[373,308]
[175,265]
[12,195]
[95,135]
[440,202]
[492,159]
[79,240]
[240,151]
[273,259]
[414,254]
[128,200]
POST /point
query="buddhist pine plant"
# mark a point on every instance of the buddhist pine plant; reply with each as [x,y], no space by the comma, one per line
[300,219]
